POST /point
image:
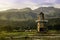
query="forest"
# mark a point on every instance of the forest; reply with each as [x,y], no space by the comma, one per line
[9,26]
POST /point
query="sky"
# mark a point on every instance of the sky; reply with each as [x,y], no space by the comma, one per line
[33,4]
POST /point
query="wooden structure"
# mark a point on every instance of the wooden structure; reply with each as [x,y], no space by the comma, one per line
[41,23]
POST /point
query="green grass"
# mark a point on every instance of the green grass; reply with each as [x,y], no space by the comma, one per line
[2,34]
[53,32]
[5,34]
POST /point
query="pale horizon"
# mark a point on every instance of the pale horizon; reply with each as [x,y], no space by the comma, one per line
[33,4]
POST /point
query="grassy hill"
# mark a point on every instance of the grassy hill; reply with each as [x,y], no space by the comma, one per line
[17,14]
[24,19]
[50,12]
[29,14]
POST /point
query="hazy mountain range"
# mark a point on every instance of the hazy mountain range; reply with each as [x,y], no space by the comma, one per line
[27,13]
[50,12]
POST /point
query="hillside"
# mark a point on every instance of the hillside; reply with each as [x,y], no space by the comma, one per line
[29,14]
[50,12]
[17,14]
[24,19]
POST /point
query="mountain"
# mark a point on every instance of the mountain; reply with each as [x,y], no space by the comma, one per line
[17,14]
[50,12]
[29,14]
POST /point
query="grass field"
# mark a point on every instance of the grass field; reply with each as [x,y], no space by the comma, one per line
[4,34]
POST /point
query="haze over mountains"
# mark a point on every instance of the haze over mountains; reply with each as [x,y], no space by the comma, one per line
[50,12]
[27,13]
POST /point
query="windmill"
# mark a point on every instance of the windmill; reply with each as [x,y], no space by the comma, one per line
[41,22]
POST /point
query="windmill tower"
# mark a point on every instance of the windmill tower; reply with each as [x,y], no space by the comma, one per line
[41,22]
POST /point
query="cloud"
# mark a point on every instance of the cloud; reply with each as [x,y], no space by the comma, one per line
[7,4]
[58,1]
[57,5]
[43,1]
[33,4]
[50,1]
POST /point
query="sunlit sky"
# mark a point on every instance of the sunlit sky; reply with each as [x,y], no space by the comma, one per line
[33,4]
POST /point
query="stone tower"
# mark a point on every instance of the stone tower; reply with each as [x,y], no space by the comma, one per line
[41,22]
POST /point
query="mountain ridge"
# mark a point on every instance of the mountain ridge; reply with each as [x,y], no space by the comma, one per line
[28,13]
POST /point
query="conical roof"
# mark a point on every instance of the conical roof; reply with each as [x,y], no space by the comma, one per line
[41,13]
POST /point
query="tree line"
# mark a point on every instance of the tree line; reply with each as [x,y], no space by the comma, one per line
[9,26]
